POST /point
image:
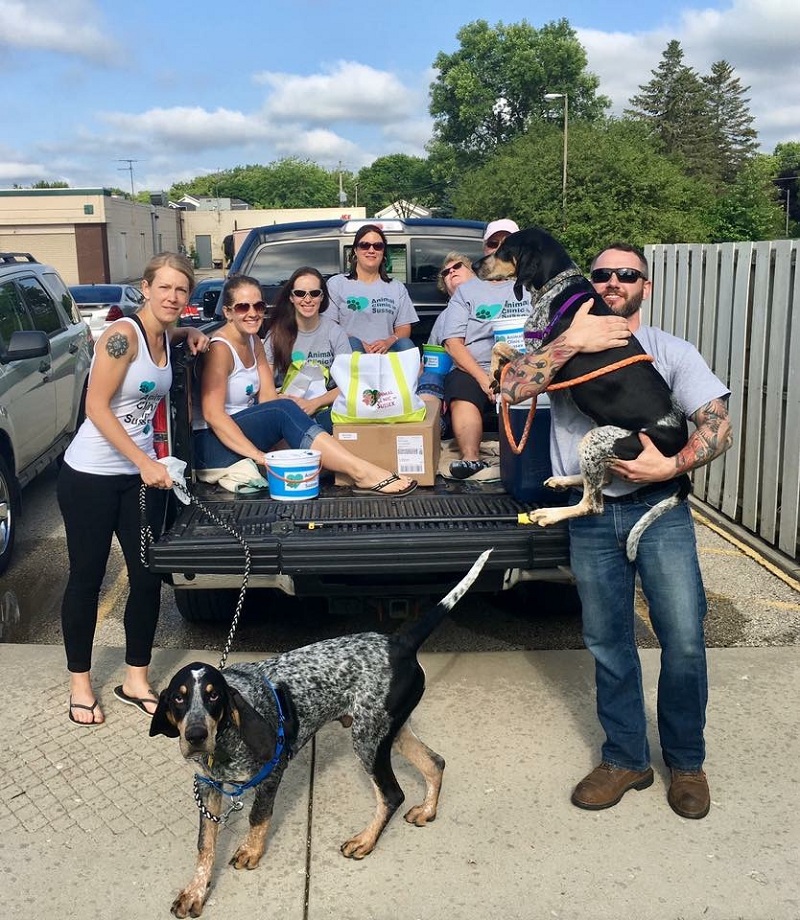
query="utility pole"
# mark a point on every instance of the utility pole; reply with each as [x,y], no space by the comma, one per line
[342,195]
[128,168]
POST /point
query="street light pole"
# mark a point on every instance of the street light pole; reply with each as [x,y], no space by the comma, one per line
[565,97]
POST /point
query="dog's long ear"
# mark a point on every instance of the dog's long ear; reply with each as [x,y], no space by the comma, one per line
[256,732]
[161,723]
[291,723]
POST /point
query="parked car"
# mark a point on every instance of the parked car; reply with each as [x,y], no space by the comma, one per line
[351,548]
[101,304]
[202,302]
[45,353]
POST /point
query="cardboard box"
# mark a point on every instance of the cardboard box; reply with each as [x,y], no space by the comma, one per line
[410,448]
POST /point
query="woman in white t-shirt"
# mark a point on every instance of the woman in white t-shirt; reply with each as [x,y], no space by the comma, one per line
[373,309]
[242,415]
[104,467]
[300,334]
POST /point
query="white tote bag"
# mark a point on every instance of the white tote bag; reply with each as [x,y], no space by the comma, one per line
[377,388]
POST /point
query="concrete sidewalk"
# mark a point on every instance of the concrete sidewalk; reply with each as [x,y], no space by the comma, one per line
[101,822]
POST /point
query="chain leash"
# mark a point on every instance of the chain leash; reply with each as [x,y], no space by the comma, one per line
[147,540]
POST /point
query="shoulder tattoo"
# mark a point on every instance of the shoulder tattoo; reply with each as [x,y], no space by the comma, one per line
[117,345]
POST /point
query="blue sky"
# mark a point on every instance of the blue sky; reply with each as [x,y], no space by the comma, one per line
[189,88]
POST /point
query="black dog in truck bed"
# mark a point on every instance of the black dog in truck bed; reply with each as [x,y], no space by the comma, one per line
[622,402]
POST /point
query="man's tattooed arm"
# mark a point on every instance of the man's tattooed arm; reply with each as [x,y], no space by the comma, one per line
[529,375]
[117,345]
[711,438]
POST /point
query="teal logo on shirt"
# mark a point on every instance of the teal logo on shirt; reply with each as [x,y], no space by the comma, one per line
[357,304]
[298,356]
[488,310]
[147,386]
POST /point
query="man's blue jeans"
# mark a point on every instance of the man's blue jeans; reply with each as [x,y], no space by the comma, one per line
[670,576]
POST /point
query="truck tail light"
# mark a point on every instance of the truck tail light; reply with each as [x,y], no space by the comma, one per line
[160,433]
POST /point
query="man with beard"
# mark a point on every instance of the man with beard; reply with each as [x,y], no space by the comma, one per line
[666,562]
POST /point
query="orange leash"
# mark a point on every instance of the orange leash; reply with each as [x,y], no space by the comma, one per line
[618,365]
[565,384]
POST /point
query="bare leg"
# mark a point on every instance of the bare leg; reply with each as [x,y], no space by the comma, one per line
[467,422]
[137,684]
[81,694]
[365,475]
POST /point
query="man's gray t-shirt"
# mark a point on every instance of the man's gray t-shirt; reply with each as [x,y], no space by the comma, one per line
[474,306]
[679,363]
[369,311]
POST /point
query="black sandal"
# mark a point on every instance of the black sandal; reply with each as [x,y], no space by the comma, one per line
[91,709]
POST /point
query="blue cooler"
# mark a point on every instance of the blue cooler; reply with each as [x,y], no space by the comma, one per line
[523,475]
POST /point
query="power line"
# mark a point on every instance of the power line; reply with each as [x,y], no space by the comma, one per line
[128,168]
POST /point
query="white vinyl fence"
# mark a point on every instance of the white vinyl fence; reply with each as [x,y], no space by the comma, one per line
[739,303]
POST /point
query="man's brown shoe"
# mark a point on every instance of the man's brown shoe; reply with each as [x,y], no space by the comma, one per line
[606,785]
[688,794]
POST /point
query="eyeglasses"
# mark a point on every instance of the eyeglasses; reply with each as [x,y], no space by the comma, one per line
[242,309]
[624,275]
[378,247]
[452,268]
[301,295]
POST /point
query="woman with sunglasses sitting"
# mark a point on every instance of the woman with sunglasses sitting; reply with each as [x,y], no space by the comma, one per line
[242,416]
[373,309]
[298,333]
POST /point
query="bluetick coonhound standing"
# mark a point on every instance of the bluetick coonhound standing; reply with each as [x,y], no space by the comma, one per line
[242,727]
[629,399]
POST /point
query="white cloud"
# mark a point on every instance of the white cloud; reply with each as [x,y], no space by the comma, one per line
[188,127]
[22,173]
[65,26]
[759,38]
[348,91]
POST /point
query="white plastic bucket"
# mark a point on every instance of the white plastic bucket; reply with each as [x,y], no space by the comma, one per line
[293,475]
[511,330]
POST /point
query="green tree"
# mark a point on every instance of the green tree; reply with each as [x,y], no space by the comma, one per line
[787,184]
[730,119]
[287,183]
[394,178]
[748,210]
[618,187]
[42,183]
[492,88]
[674,108]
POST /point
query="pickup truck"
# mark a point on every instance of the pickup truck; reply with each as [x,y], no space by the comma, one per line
[343,547]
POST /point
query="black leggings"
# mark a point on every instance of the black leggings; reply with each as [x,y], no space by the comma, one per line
[95,508]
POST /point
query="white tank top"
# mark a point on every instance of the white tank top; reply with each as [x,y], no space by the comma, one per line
[242,389]
[134,404]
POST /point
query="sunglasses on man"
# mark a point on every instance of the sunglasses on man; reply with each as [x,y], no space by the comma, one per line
[624,275]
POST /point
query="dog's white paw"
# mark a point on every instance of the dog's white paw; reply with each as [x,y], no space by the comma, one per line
[558,483]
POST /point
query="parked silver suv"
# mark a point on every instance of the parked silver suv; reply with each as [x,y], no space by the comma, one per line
[45,352]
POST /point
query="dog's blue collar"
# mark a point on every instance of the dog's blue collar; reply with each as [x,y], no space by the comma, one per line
[235,790]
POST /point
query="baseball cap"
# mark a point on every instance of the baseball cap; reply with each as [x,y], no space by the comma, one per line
[499,226]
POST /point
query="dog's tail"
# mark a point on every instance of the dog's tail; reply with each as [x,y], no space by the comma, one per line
[419,632]
[667,504]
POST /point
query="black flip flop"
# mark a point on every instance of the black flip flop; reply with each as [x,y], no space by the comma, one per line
[91,709]
[378,489]
[136,701]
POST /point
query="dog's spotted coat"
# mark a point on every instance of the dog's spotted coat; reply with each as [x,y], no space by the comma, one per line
[227,723]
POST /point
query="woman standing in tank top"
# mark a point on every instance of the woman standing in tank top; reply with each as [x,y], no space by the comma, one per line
[98,487]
